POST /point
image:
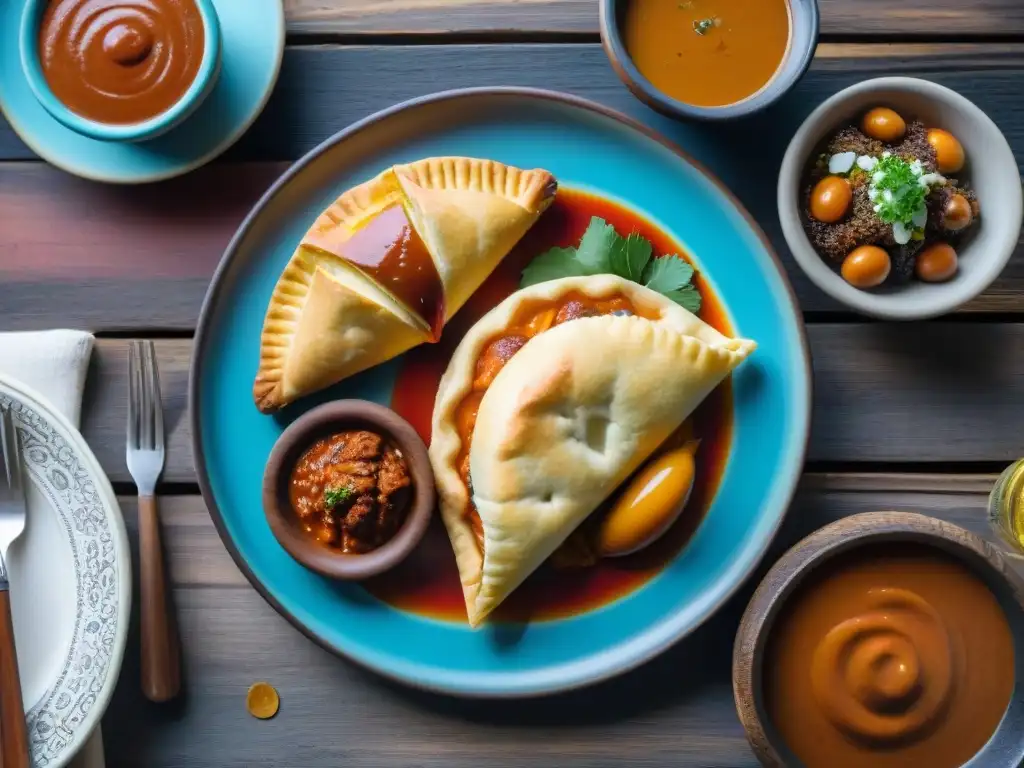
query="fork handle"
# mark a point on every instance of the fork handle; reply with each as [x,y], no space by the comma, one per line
[13,733]
[161,653]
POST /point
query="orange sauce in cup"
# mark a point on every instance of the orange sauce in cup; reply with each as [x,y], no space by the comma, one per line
[708,53]
[121,61]
[894,655]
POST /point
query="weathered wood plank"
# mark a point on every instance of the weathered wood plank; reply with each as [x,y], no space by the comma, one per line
[198,559]
[491,18]
[105,408]
[674,711]
[154,248]
[867,18]
[883,393]
[195,556]
[121,257]
[317,93]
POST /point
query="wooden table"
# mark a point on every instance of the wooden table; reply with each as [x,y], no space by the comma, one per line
[914,417]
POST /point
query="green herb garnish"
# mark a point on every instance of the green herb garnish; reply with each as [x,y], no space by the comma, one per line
[896,190]
[335,496]
[602,250]
[703,26]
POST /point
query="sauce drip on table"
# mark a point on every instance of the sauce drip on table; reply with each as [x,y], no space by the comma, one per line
[120,61]
[708,53]
[891,656]
[427,582]
[350,491]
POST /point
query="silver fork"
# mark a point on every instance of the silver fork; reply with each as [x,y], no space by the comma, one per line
[161,655]
[13,735]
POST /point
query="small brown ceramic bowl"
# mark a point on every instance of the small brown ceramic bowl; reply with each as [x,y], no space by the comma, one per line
[329,419]
[1005,749]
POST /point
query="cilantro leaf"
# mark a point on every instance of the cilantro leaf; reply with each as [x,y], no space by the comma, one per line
[551,265]
[688,297]
[596,246]
[630,256]
[669,273]
[898,191]
[333,496]
[603,251]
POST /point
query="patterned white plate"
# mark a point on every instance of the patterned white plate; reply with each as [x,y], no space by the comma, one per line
[70,582]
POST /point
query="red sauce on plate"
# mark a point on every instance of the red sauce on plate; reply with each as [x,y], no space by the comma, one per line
[390,251]
[118,61]
[427,582]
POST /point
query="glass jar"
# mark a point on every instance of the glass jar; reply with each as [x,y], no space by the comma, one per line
[1006,507]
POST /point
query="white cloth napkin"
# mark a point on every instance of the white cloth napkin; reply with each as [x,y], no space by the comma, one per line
[54,363]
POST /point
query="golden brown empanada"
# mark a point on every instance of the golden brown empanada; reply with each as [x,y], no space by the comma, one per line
[550,402]
[387,265]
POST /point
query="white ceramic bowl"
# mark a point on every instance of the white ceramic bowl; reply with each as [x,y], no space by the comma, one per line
[991,171]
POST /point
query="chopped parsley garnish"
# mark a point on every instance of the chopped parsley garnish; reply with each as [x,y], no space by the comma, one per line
[703,26]
[897,190]
[335,496]
[602,250]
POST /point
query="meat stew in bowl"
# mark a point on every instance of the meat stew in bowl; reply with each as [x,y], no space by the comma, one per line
[351,490]
[348,490]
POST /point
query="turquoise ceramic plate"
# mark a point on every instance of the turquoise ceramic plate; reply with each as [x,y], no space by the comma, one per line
[587,147]
[252,44]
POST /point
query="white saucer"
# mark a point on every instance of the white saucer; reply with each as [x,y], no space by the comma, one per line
[70,575]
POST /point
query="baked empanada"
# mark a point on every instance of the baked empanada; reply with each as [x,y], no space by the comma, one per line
[549,403]
[387,265]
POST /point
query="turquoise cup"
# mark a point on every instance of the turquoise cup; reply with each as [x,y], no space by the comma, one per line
[205,80]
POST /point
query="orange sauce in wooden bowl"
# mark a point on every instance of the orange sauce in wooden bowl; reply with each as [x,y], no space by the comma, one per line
[427,582]
[892,655]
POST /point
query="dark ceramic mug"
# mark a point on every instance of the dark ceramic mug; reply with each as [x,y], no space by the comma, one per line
[803,40]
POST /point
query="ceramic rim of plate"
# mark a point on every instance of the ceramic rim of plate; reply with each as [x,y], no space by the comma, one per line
[57,749]
[209,308]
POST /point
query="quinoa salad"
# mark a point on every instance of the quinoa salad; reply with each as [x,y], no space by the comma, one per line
[880,203]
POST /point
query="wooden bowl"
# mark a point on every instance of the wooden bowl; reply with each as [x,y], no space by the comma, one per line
[320,422]
[1005,748]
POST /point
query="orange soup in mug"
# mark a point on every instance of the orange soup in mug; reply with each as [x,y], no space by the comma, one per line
[708,53]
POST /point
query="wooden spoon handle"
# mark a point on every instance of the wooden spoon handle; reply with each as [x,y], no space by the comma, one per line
[161,653]
[13,733]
